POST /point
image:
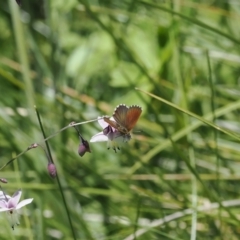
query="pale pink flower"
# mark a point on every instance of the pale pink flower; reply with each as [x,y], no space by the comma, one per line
[11,205]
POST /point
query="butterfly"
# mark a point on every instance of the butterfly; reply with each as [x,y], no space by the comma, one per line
[125,118]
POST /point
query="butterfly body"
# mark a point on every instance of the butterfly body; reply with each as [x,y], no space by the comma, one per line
[125,118]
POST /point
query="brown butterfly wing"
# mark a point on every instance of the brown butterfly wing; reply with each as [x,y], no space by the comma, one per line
[125,118]
[119,115]
[132,117]
[110,122]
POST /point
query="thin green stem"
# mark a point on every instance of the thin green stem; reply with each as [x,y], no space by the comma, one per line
[192,115]
[46,139]
[182,98]
[190,167]
[58,181]
[182,133]
[215,132]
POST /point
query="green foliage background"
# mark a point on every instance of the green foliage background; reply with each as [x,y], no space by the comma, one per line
[178,178]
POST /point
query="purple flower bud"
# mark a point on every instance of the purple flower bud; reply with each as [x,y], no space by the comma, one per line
[83,147]
[52,170]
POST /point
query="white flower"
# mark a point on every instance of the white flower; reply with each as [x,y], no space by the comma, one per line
[110,134]
[11,205]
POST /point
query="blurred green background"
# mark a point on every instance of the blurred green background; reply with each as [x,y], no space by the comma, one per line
[75,60]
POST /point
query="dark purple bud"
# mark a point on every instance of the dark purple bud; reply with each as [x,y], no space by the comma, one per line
[52,170]
[83,147]
[3,180]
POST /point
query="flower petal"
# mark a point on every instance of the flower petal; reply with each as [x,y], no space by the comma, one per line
[99,137]
[4,209]
[102,123]
[24,202]
[13,218]
[12,203]
[3,196]
[3,204]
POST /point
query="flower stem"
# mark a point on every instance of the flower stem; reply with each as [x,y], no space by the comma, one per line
[58,181]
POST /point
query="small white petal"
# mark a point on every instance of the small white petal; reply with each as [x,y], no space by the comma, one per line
[24,202]
[12,203]
[17,194]
[102,123]
[13,218]
[4,209]
[99,137]
[3,204]
[4,197]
